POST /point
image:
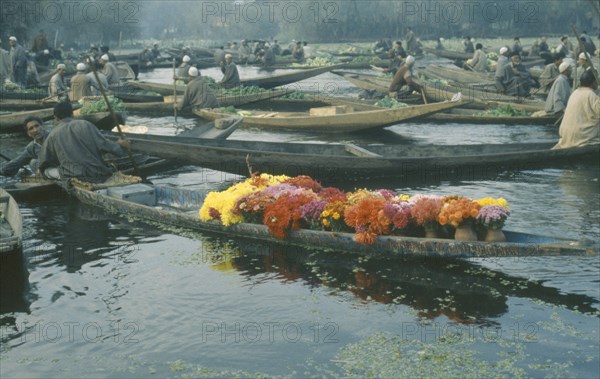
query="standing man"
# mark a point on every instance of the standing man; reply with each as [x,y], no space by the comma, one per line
[581,123]
[81,84]
[18,61]
[468,45]
[198,93]
[557,99]
[111,72]
[40,42]
[29,156]
[74,149]
[411,41]
[181,75]
[231,78]
[58,86]
[4,64]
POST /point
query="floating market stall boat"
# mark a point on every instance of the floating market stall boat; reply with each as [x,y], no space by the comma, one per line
[346,162]
[11,224]
[335,119]
[179,207]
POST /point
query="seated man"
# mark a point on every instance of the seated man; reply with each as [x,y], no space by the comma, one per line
[402,84]
[29,156]
[581,123]
[551,72]
[198,93]
[74,149]
[231,78]
[556,102]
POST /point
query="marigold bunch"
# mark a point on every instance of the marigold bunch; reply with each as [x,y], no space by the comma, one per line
[457,211]
[368,218]
[493,216]
[425,208]
[491,201]
[332,216]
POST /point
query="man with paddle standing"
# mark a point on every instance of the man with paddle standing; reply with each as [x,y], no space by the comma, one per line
[74,149]
[34,129]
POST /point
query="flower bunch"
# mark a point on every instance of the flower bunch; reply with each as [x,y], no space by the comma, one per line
[311,213]
[493,216]
[368,218]
[491,201]
[252,206]
[332,216]
[458,211]
[303,181]
[285,213]
[399,214]
[425,208]
[223,203]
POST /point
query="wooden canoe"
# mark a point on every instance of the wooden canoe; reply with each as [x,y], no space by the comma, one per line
[102,120]
[265,81]
[445,117]
[336,123]
[11,224]
[459,55]
[344,162]
[14,121]
[224,101]
[179,207]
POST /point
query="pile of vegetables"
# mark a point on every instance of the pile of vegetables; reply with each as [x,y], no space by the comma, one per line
[100,106]
[242,90]
[503,111]
[315,62]
[295,95]
[433,81]
[388,102]
[229,109]
[363,59]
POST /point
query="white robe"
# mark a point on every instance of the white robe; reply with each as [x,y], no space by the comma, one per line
[558,95]
[581,123]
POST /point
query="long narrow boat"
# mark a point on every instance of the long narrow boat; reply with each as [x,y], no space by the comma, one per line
[179,207]
[11,224]
[14,121]
[335,123]
[234,100]
[459,55]
[329,162]
[446,117]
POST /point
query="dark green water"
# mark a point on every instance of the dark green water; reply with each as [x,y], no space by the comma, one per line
[103,296]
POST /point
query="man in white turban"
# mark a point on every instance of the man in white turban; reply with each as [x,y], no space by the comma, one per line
[402,83]
[111,72]
[57,85]
[81,84]
[231,78]
[557,99]
[198,93]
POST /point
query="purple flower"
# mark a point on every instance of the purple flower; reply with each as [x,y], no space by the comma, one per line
[312,211]
[493,216]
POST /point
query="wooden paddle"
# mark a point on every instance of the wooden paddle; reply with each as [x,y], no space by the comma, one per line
[112,113]
[174,92]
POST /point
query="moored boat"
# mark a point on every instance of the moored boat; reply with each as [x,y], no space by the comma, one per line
[335,119]
[14,121]
[179,207]
[346,162]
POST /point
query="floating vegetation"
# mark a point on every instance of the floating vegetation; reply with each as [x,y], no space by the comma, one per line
[242,91]
[295,95]
[315,62]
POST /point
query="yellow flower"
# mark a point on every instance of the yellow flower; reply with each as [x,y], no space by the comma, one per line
[325,214]
[491,201]
[326,222]
[336,216]
[403,197]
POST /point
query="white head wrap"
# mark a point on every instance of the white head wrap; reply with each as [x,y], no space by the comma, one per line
[186,58]
[503,50]
[61,66]
[583,56]
[563,67]
[193,71]
[12,38]
[228,56]
[410,59]
[81,66]
[105,58]
[46,51]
